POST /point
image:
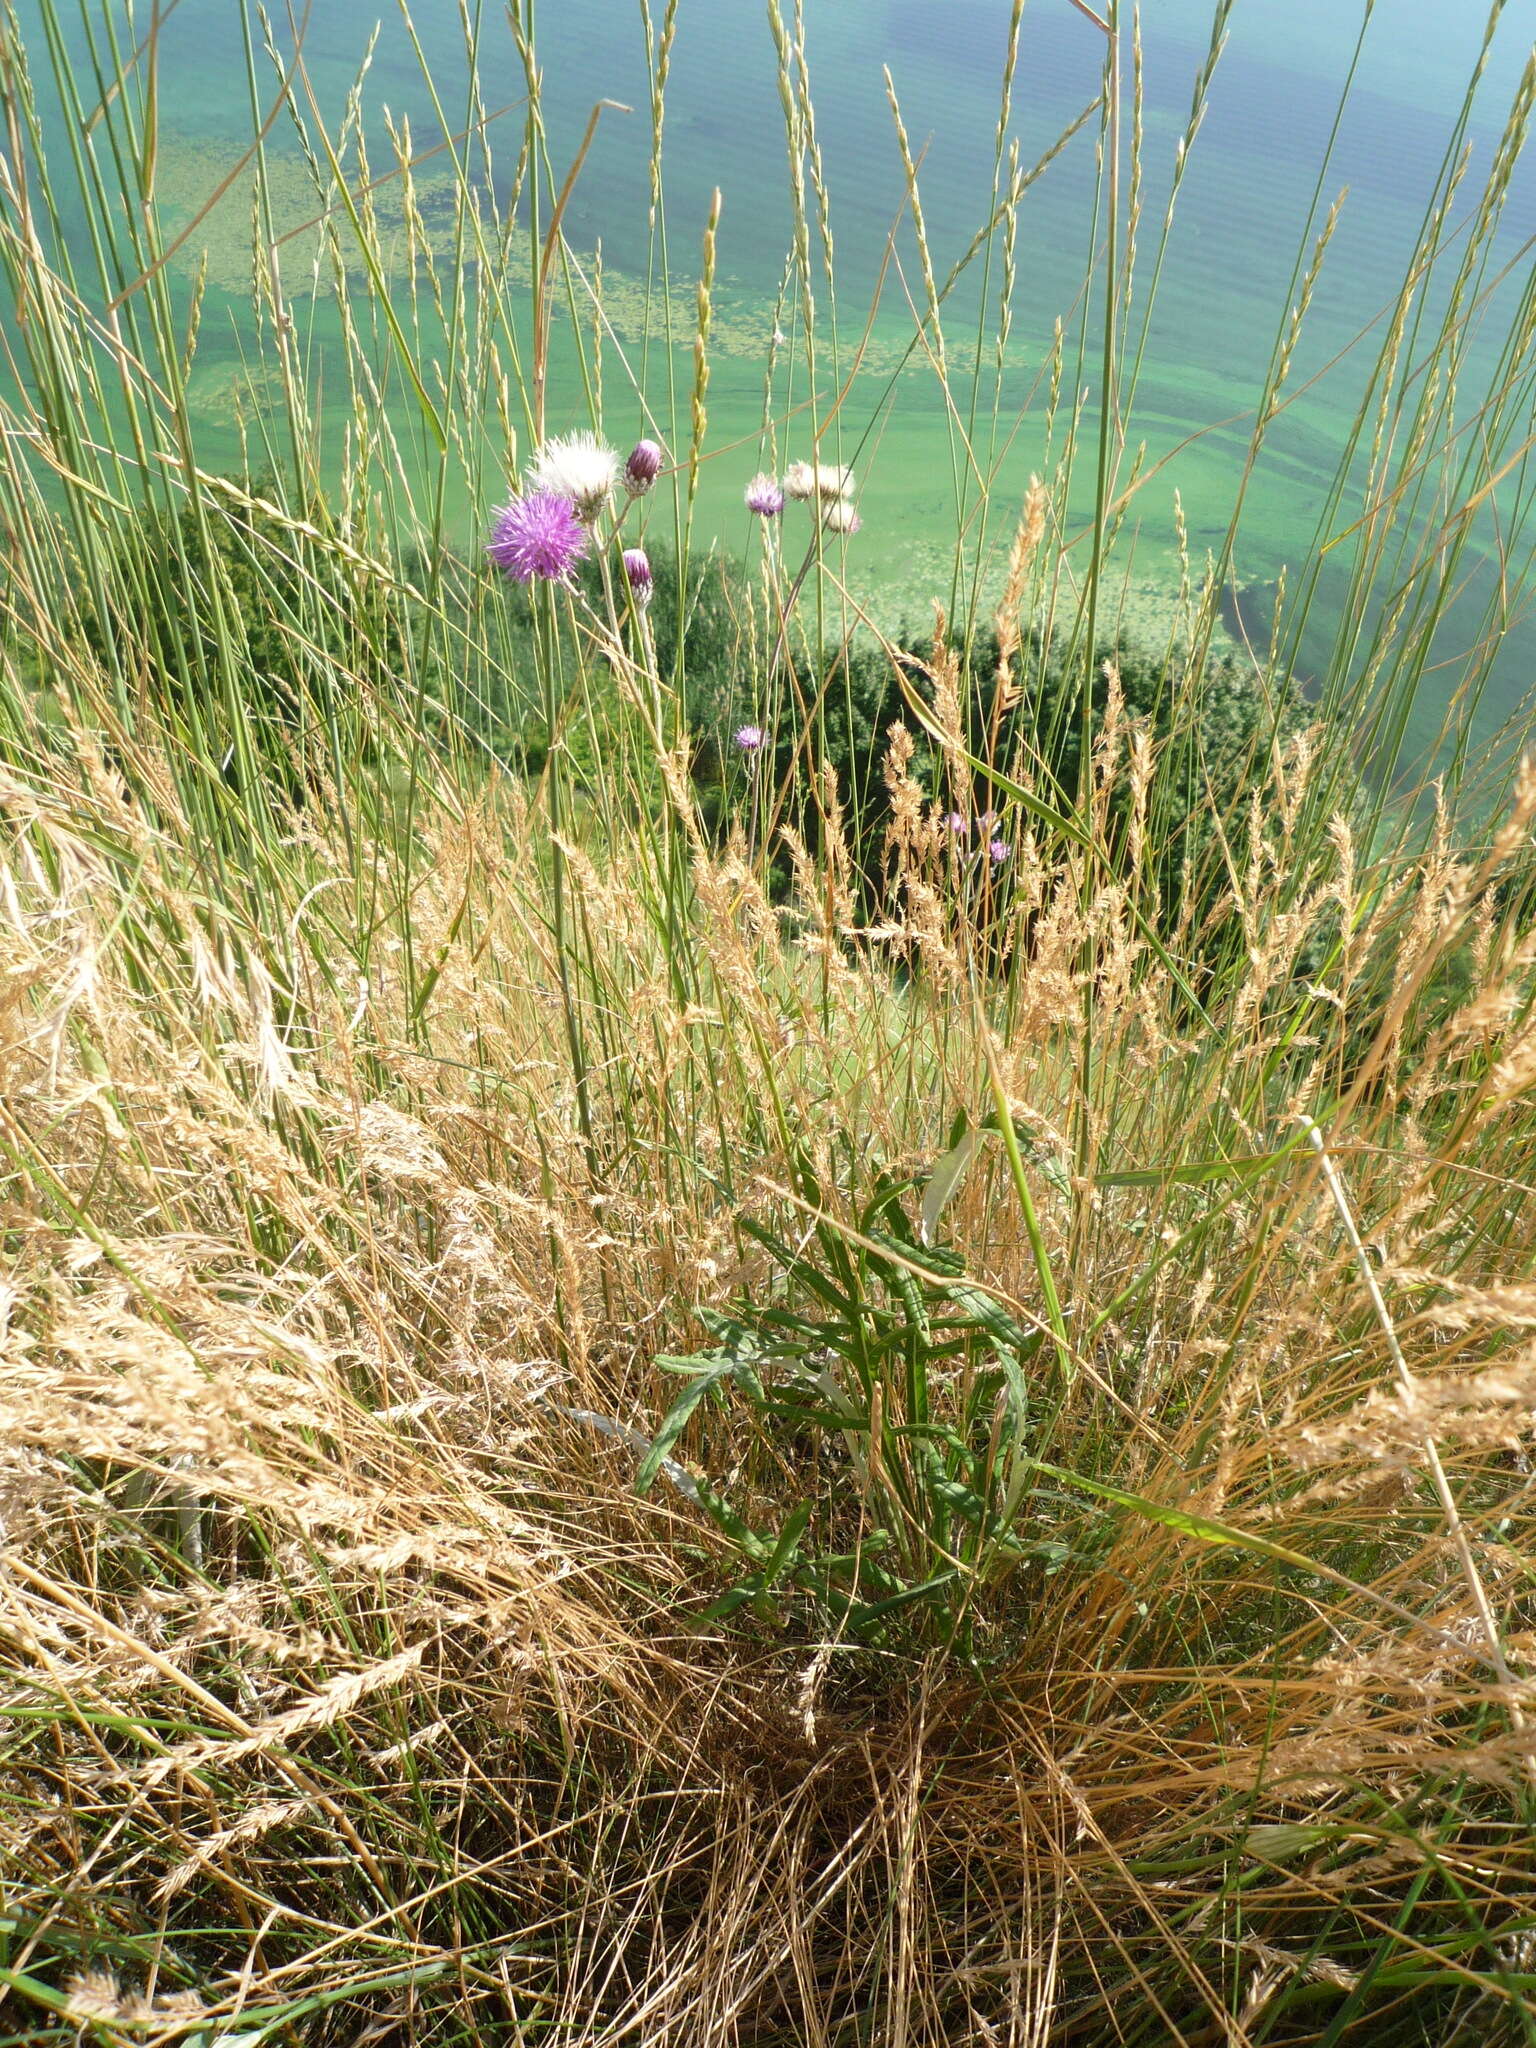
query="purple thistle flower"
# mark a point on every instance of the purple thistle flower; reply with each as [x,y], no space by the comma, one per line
[998,851]
[750,738]
[537,536]
[959,824]
[764,497]
[637,572]
[643,467]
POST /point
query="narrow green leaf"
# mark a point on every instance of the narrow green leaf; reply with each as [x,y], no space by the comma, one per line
[1203,1528]
[789,1542]
[861,1616]
[676,1419]
[1195,1173]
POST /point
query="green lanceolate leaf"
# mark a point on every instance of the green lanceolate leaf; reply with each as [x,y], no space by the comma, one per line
[861,1616]
[717,1368]
[945,1180]
[785,1550]
[1196,1173]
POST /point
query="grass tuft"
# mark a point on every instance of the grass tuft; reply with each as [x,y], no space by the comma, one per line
[872,1385]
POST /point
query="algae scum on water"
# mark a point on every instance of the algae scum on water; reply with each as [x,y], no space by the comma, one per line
[211,211]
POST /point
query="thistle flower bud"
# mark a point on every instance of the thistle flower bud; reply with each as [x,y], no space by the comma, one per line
[643,467]
[637,573]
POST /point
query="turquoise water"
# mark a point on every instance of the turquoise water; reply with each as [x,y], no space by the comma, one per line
[1224,291]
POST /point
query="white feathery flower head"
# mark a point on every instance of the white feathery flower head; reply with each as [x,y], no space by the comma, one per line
[579,467]
[825,480]
[838,516]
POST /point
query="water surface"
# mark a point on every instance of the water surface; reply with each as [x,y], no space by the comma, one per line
[1224,293]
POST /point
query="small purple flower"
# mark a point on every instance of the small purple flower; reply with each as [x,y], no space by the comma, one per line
[959,824]
[537,536]
[750,738]
[998,851]
[637,573]
[764,497]
[643,467]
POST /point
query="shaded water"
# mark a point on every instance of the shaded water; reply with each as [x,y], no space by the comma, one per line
[1224,293]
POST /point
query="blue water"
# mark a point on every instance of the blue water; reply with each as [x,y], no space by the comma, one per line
[1253,178]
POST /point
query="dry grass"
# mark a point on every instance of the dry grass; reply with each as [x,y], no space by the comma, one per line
[345,1663]
[379,1128]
